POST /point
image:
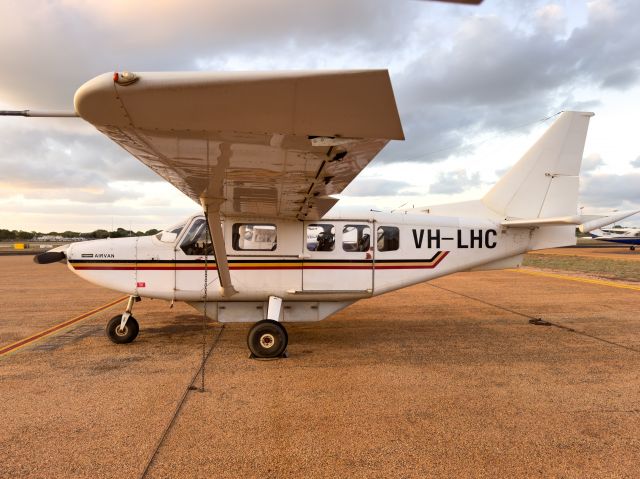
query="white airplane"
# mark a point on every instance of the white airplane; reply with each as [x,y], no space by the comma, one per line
[626,236]
[262,153]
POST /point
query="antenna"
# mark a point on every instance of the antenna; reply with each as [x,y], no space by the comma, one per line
[399,207]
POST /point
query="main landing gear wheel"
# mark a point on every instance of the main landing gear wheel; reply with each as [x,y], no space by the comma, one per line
[633,248]
[122,335]
[267,339]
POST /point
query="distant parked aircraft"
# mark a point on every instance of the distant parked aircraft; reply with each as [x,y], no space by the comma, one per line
[627,236]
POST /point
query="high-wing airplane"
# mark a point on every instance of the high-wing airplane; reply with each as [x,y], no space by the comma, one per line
[626,236]
[263,153]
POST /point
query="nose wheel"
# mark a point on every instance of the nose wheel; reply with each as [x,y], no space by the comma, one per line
[267,339]
[124,328]
[122,334]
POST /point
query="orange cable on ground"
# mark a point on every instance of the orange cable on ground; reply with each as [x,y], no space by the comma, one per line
[53,329]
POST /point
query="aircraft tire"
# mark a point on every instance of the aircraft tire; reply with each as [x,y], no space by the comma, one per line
[633,248]
[130,332]
[267,339]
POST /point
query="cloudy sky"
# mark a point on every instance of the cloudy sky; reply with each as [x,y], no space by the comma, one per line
[473,85]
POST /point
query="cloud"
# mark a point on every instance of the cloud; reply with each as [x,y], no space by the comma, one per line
[70,44]
[551,19]
[455,182]
[591,163]
[494,76]
[502,171]
[458,72]
[611,191]
[603,51]
[636,163]
[378,187]
[18,212]
[59,164]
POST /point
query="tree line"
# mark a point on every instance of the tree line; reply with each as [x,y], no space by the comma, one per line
[10,235]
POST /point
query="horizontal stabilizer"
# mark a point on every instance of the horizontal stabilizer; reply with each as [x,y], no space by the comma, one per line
[584,222]
[606,220]
[536,222]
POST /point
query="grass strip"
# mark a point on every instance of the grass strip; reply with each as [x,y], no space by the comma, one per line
[602,267]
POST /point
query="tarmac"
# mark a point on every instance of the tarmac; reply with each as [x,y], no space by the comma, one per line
[486,374]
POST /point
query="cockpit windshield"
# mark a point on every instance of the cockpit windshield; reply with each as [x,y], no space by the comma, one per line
[176,229]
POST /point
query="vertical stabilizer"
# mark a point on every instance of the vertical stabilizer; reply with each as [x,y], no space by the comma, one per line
[544,183]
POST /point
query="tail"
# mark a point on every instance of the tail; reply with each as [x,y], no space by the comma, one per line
[544,183]
[540,191]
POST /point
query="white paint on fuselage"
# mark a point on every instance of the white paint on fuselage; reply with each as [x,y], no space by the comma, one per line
[149,268]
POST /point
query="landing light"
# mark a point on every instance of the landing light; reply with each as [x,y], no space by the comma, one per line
[124,78]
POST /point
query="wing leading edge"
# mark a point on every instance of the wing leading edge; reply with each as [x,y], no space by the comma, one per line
[252,144]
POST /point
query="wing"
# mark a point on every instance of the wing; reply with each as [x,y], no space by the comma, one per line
[252,144]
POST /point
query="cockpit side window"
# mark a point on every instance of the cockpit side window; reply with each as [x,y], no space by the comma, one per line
[196,241]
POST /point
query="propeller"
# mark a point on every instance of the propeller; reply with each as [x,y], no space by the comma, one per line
[49,257]
[52,256]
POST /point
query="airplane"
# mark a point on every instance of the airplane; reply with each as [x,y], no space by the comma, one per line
[627,236]
[263,153]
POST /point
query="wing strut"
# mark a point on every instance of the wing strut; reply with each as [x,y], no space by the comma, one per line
[212,211]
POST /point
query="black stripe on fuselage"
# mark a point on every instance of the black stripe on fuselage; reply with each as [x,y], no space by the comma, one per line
[249,259]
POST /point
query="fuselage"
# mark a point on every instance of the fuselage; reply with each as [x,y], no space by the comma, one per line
[334,259]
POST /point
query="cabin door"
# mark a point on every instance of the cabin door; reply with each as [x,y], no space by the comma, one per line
[338,256]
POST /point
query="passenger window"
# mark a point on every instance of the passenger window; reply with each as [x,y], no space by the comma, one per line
[321,237]
[388,238]
[196,241]
[254,237]
[356,238]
